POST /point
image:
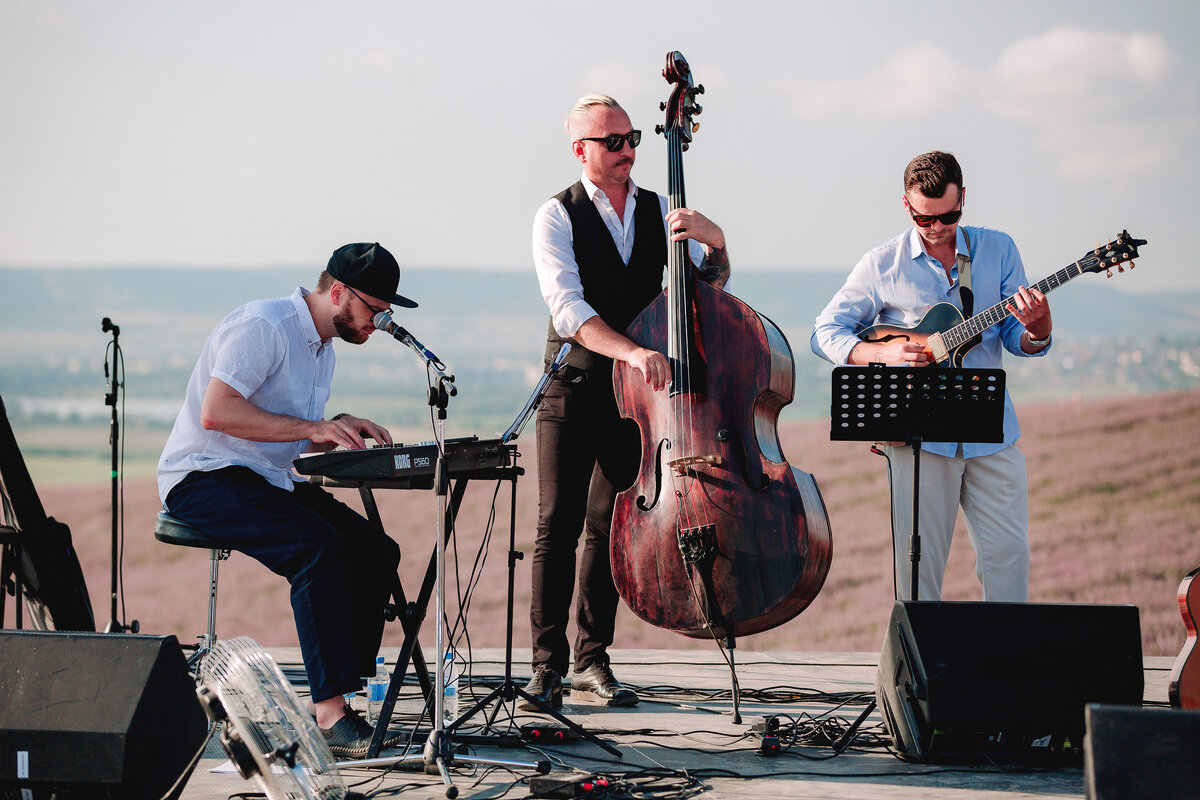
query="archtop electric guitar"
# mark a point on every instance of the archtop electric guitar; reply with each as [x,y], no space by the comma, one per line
[948,337]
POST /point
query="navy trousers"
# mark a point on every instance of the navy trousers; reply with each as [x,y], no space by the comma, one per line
[341,568]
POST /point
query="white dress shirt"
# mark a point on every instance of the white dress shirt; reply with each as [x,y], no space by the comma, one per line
[270,352]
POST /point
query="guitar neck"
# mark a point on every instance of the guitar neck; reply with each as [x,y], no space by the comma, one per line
[968,329]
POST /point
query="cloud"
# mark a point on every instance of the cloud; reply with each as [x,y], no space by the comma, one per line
[1102,102]
[1072,72]
[1105,102]
[912,83]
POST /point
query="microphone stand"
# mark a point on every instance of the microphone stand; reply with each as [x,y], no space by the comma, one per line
[117,385]
[439,747]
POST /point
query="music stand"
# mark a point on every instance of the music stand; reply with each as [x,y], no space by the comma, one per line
[925,404]
[38,563]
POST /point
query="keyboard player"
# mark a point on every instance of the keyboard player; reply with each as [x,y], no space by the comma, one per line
[255,401]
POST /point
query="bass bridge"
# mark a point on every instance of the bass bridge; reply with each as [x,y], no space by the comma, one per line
[682,466]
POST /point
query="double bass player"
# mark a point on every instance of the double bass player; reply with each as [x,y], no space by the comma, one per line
[599,250]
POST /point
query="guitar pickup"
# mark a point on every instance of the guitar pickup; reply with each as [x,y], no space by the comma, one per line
[937,348]
[682,466]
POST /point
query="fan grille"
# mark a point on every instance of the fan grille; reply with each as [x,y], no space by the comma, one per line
[268,715]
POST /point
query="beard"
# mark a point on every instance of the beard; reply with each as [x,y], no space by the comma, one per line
[347,331]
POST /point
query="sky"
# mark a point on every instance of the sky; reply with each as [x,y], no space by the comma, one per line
[256,134]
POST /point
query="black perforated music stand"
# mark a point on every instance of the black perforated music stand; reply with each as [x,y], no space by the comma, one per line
[915,405]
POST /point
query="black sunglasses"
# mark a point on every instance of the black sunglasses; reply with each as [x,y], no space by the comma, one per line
[925,220]
[616,141]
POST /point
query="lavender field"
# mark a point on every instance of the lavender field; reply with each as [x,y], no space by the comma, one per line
[1114,496]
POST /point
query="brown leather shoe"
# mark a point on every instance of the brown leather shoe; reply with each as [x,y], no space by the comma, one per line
[545,686]
[597,684]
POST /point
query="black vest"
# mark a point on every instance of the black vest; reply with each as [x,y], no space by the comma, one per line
[618,292]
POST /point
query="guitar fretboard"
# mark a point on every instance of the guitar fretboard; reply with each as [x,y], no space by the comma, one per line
[979,323]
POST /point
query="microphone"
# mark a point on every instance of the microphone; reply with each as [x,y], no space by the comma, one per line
[383,322]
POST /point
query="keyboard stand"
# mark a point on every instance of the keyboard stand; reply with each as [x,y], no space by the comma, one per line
[412,615]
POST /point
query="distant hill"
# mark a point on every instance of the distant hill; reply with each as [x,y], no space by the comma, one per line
[490,328]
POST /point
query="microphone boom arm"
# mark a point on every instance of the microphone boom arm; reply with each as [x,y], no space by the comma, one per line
[383,321]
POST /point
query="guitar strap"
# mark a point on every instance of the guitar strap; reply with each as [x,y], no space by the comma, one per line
[965,295]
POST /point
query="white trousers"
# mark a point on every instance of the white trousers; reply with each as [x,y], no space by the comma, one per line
[993,493]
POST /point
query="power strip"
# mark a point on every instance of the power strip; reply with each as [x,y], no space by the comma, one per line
[568,785]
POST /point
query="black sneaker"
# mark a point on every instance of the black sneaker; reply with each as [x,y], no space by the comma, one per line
[597,684]
[546,688]
[350,736]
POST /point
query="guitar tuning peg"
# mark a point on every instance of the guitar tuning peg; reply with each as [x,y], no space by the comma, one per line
[698,110]
[1108,273]
[699,88]
[1132,265]
[695,127]
[662,106]
[685,147]
[1121,269]
[658,128]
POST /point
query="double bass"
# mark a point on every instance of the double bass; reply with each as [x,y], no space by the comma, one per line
[718,535]
[1183,685]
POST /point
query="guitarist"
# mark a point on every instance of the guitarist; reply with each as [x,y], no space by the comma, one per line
[897,283]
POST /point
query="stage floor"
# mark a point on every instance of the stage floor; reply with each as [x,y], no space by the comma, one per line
[681,740]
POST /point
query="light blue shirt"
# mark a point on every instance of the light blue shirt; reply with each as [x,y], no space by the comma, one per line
[270,352]
[898,282]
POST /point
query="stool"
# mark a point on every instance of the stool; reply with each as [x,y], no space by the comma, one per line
[169,530]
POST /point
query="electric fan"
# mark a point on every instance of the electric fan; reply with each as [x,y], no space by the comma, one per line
[267,733]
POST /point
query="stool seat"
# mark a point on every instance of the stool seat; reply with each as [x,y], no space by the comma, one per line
[169,530]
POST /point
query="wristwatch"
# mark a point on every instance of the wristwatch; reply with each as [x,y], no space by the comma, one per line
[1038,342]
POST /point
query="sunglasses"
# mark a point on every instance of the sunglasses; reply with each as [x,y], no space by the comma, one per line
[616,141]
[925,220]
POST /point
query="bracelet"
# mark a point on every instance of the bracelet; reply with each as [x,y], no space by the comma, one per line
[336,417]
[1038,342]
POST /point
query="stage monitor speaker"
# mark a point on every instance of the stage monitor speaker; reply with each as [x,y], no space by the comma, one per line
[95,715]
[1131,753]
[969,680]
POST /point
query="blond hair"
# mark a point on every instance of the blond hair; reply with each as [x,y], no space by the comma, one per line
[583,107]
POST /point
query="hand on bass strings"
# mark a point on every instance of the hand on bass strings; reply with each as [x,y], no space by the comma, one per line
[685,223]
[653,366]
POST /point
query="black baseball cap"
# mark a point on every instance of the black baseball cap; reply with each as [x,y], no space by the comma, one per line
[369,268]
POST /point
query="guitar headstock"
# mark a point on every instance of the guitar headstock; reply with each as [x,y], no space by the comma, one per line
[1114,254]
[681,107]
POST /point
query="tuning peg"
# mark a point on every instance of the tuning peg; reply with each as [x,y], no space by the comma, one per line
[658,128]
[699,88]
[695,127]
[1132,265]
[1108,273]
[662,106]
[685,146]
[1121,269]
[698,109]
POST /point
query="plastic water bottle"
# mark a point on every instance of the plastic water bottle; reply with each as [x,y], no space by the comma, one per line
[377,687]
[449,688]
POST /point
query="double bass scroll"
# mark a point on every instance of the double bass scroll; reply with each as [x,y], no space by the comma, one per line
[718,535]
